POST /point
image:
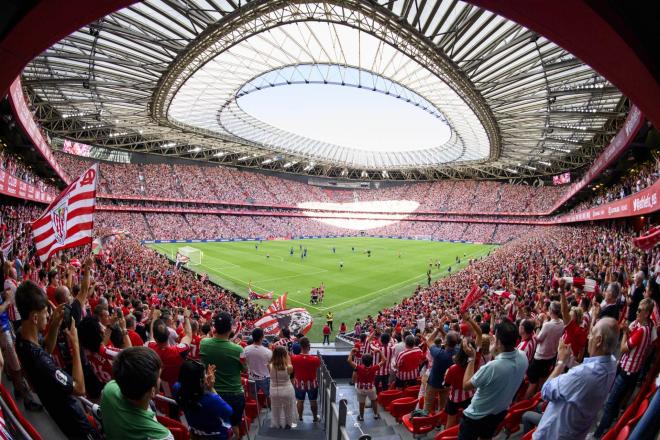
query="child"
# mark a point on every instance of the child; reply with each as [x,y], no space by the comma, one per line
[364,376]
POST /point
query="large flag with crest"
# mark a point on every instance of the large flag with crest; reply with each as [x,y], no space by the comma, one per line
[69,220]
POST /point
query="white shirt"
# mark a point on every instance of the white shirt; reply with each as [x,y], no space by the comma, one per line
[548,339]
[257,358]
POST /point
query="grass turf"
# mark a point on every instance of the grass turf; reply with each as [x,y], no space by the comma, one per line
[364,285]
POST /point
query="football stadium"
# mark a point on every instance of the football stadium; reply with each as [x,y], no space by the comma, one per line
[340,219]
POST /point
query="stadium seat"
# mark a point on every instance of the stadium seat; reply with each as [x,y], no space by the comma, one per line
[516,411]
[411,391]
[387,396]
[178,429]
[529,435]
[251,409]
[11,404]
[420,426]
[400,407]
[624,433]
[448,434]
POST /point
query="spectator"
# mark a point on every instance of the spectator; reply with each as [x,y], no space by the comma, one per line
[458,397]
[125,400]
[407,363]
[305,382]
[575,397]
[55,387]
[496,384]
[98,354]
[282,395]
[635,346]
[326,334]
[546,350]
[527,342]
[364,377]
[219,350]
[443,358]
[258,358]
[205,411]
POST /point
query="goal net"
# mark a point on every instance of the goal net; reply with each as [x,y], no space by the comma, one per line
[189,255]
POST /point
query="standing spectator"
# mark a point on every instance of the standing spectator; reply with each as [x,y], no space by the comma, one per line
[172,356]
[98,354]
[611,306]
[342,328]
[443,358]
[407,363]
[458,397]
[527,342]
[204,409]
[364,377]
[576,397]
[636,295]
[326,334]
[496,384]
[305,382]
[55,387]
[546,350]
[329,317]
[635,346]
[283,412]
[383,373]
[136,339]
[125,400]
[219,350]
[258,357]
[575,330]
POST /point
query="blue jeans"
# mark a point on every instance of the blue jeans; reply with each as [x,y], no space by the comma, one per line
[623,383]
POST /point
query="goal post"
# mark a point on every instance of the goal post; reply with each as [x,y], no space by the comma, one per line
[192,256]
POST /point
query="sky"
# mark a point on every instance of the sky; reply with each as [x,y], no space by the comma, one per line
[347,116]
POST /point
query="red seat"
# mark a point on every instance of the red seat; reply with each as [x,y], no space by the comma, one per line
[4,394]
[411,391]
[420,426]
[400,407]
[514,416]
[448,434]
[624,433]
[251,409]
[529,435]
[387,396]
[179,430]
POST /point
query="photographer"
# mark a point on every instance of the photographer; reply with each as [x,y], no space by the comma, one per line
[54,386]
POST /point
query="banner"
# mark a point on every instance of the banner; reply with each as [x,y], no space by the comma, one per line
[503,294]
[643,202]
[31,128]
[297,320]
[472,298]
[648,240]
[12,186]
[278,305]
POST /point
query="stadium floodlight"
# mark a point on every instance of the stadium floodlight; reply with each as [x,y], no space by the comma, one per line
[364,174]
[195,150]
[563,150]
[547,164]
[168,145]
[385,174]
[266,162]
[344,172]
[289,164]
[219,154]
[243,158]
[310,166]
[529,167]
[510,170]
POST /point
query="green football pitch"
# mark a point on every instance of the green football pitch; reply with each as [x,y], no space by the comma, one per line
[363,286]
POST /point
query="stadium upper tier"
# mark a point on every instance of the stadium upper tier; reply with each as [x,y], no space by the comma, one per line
[177,80]
[218,183]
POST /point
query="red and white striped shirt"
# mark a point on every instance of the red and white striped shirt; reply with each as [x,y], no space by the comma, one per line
[639,344]
[372,350]
[454,380]
[408,362]
[528,346]
[365,376]
[101,362]
[388,352]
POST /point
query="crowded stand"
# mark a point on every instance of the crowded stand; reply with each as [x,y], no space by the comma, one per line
[16,166]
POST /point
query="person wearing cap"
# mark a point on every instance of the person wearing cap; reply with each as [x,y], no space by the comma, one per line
[230,360]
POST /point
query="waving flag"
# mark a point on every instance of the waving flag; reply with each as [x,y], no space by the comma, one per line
[648,240]
[471,298]
[278,305]
[69,220]
[503,294]
[7,246]
[254,295]
[298,320]
[586,284]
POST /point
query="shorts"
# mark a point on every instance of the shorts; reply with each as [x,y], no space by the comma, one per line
[452,407]
[363,394]
[312,394]
[260,384]
[9,351]
[473,429]
[237,403]
[539,369]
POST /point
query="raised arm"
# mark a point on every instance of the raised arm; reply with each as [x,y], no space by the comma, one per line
[565,312]
[187,329]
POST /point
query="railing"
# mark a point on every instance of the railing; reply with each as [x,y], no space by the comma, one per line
[334,412]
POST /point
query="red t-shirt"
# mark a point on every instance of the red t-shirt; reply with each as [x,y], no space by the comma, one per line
[136,340]
[304,371]
[194,346]
[326,330]
[365,376]
[101,362]
[50,292]
[576,336]
[172,357]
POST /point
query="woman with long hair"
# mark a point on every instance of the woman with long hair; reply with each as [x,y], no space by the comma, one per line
[282,394]
[205,411]
[458,398]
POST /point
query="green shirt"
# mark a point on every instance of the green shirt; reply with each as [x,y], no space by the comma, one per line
[229,361]
[125,421]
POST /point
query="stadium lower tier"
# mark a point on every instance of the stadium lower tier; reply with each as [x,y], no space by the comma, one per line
[156,226]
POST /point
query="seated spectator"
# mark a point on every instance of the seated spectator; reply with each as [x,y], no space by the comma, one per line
[205,411]
[496,384]
[55,387]
[125,400]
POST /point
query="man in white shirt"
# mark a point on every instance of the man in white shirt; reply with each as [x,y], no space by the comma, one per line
[258,357]
[546,350]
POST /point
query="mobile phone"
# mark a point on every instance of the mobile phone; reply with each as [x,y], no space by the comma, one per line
[66,319]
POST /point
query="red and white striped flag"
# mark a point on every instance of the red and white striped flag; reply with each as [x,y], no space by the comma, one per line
[69,220]
[278,305]
[586,284]
[472,297]
[503,294]
[7,247]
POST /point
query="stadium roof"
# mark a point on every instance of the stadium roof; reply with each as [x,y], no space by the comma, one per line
[168,76]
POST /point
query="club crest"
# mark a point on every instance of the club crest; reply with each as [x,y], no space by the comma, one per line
[58,217]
